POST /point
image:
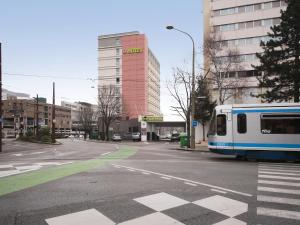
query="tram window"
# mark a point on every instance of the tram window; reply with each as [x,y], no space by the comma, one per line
[242,123]
[280,124]
[212,125]
[221,125]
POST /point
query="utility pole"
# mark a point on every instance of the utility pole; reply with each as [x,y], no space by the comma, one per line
[37,115]
[1,99]
[53,115]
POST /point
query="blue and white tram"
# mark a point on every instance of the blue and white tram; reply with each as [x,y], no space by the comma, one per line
[259,131]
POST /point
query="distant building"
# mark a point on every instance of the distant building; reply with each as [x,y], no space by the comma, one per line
[127,63]
[76,108]
[6,93]
[20,116]
[242,25]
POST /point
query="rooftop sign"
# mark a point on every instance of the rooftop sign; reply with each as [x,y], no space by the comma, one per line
[133,50]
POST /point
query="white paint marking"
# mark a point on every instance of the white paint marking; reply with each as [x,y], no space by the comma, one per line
[290,201]
[278,177]
[6,166]
[47,163]
[279,173]
[154,218]
[223,205]
[279,183]
[231,221]
[90,217]
[18,154]
[36,153]
[280,164]
[131,170]
[33,167]
[278,213]
[279,190]
[8,173]
[191,181]
[161,201]
[166,178]
[216,190]
[106,153]
[278,170]
[145,173]
[191,184]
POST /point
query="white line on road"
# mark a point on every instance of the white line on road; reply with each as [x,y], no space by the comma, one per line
[36,153]
[146,173]
[295,166]
[279,173]
[191,181]
[279,177]
[18,154]
[216,190]
[191,184]
[290,201]
[279,183]
[279,190]
[166,178]
[278,213]
[106,153]
[278,170]
[131,170]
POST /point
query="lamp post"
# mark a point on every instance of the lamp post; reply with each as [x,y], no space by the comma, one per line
[192,117]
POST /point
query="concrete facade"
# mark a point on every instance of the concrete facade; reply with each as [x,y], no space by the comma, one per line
[242,25]
[126,62]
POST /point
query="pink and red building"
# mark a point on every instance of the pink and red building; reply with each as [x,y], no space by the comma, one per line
[126,62]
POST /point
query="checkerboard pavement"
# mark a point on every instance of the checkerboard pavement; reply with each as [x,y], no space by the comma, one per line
[18,168]
[165,210]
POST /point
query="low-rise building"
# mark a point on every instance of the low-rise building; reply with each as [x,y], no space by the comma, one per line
[23,115]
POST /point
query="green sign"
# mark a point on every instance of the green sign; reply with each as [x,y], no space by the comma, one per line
[133,50]
[152,118]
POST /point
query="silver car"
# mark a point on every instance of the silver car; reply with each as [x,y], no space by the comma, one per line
[116,137]
[136,136]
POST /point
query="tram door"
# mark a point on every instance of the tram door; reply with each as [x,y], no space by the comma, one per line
[224,130]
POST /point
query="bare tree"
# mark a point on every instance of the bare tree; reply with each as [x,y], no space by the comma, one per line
[109,106]
[223,63]
[180,87]
[86,116]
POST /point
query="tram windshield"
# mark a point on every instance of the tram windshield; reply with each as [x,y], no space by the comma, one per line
[212,125]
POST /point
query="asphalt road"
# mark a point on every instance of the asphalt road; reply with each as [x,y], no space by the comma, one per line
[87,183]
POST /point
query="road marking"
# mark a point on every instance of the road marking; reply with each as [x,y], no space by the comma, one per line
[131,170]
[223,205]
[145,173]
[278,213]
[6,166]
[18,154]
[90,216]
[191,181]
[216,190]
[231,221]
[294,166]
[280,164]
[290,201]
[161,201]
[279,190]
[279,183]
[166,178]
[270,169]
[279,177]
[106,153]
[191,184]
[36,153]
[154,218]
[279,173]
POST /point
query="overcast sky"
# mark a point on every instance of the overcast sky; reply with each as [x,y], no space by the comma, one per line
[58,38]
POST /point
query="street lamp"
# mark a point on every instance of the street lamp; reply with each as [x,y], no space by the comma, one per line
[192,140]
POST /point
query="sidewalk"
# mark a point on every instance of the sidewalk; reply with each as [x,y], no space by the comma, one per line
[199,147]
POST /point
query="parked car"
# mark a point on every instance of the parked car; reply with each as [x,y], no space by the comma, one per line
[116,137]
[136,136]
[175,137]
[127,136]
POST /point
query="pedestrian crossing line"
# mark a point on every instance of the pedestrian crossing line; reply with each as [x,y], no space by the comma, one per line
[282,183]
[280,164]
[278,177]
[280,200]
[270,169]
[278,213]
[279,190]
[279,173]
[216,190]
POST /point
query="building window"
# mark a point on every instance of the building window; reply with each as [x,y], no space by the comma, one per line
[117,70]
[118,61]
[118,41]
[118,80]
[242,123]
[280,124]
[117,51]
[221,124]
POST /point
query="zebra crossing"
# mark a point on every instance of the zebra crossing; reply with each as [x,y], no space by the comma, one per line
[278,192]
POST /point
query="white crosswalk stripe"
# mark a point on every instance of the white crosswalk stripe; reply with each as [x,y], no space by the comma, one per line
[278,190]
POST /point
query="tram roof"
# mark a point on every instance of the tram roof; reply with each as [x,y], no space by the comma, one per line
[262,105]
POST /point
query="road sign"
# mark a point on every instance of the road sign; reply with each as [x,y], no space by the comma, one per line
[195,123]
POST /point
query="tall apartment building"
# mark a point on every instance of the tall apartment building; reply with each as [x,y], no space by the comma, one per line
[127,63]
[242,25]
